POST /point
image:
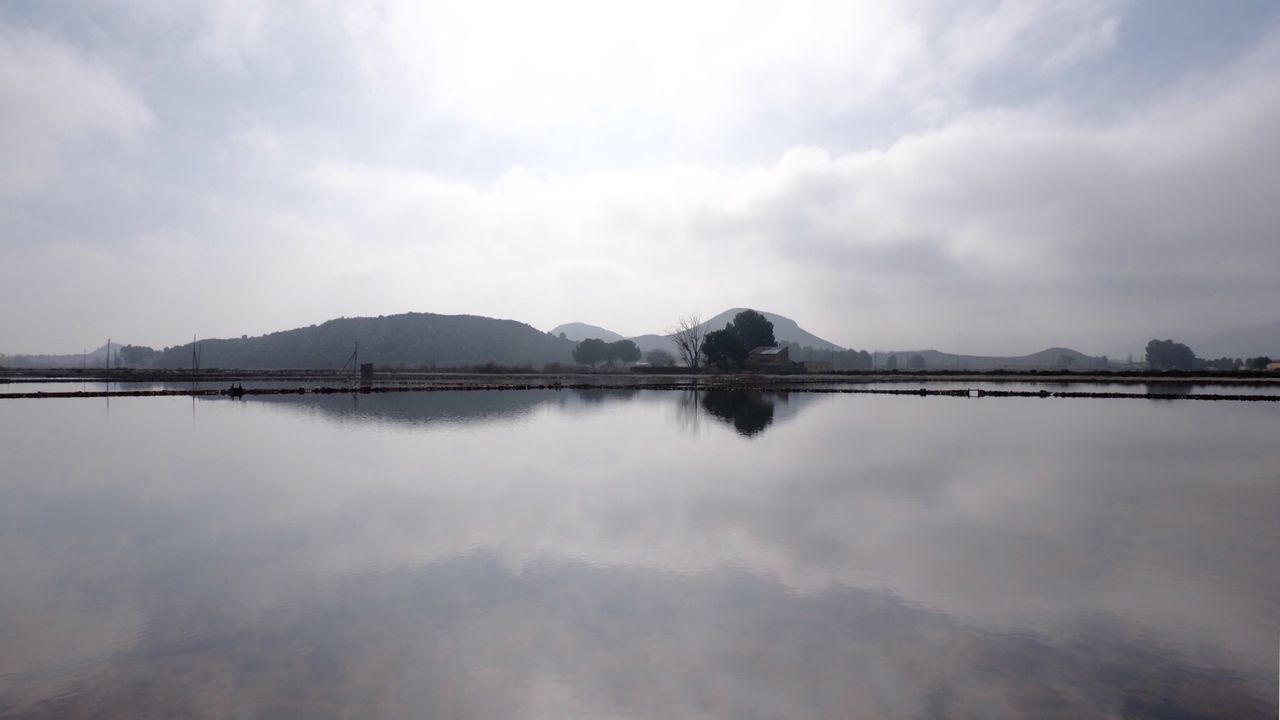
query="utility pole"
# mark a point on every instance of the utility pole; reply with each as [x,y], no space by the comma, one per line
[108,354]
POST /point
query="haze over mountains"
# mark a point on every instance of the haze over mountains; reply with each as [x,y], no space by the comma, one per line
[424,340]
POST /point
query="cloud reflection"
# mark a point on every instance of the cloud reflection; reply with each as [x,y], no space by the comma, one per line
[563,556]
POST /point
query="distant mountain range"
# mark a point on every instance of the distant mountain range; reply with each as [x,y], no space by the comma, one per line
[96,358]
[788,331]
[1050,359]
[426,340]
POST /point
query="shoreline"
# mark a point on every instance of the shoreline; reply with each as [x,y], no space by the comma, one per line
[329,383]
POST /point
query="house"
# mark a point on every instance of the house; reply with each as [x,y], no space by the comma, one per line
[766,358]
[1273,366]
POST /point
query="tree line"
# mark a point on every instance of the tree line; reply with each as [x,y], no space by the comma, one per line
[593,351]
[1169,355]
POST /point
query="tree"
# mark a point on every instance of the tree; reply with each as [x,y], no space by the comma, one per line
[591,351]
[915,362]
[658,357]
[722,349]
[1169,355]
[689,334]
[135,355]
[728,348]
[595,350]
[1258,363]
[891,363]
[753,330]
[624,351]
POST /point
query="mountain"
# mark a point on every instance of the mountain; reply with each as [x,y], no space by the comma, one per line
[1051,359]
[92,359]
[1239,342]
[578,332]
[785,330]
[410,339]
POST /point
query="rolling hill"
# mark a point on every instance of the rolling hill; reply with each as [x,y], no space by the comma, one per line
[1050,359]
[578,332]
[785,330]
[409,339]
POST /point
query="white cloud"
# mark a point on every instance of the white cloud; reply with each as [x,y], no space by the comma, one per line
[54,101]
[987,228]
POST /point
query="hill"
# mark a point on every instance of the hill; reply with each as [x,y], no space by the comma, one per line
[1050,359]
[92,359]
[410,339]
[578,332]
[785,330]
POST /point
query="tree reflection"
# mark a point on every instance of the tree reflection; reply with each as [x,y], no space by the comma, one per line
[749,411]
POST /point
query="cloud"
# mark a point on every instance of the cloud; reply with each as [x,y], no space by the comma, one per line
[1012,215]
[850,166]
[55,101]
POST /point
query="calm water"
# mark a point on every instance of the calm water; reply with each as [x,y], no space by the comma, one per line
[648,554]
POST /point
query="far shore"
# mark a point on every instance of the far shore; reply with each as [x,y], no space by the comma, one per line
[639,378]
[23,384]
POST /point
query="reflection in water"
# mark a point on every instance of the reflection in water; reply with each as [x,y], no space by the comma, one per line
[544,554]
[1179,388]
[749,411]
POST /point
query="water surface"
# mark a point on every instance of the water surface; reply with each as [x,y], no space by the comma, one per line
[638,554]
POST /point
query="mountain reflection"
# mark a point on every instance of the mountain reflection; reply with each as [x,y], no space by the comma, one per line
[750,412]
[586,555]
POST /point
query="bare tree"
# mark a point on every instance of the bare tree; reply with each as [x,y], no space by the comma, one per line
[688,335]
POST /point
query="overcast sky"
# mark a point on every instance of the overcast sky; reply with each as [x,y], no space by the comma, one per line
[978,177]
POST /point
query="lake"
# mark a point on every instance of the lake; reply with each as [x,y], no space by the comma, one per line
[638,554]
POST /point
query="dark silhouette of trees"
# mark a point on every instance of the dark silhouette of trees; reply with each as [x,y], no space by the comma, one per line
[891,363]
[591,351]
[136,355]
[1223,363]
[728,348]
[1170,355]
[839,359]
[749,411]
[689,334]
[915,362]
[1258,363]
[594,350]
[722,349]
[624,351]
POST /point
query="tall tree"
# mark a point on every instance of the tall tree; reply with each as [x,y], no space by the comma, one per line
[723,349]
[1169,355]
[624,351]
[728,348]
[591,351]
[753,330]
[689,334]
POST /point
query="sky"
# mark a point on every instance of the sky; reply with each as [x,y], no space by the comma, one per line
[988,177]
